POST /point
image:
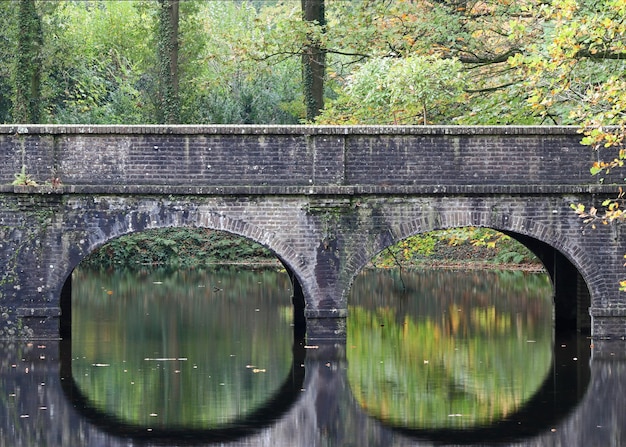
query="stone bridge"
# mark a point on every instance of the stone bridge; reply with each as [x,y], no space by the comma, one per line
[325,200]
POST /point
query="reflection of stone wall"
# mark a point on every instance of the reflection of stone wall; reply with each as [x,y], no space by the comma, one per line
[324,199]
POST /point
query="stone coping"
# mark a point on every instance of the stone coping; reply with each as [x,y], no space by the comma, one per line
[316,190]
[304,130]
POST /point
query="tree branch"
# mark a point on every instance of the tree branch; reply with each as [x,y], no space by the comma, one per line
[599,55]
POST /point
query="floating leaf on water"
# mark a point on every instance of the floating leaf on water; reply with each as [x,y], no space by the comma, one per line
[166,359]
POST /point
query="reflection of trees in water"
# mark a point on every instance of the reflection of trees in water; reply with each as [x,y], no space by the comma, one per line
[231,327]
[435,292]
[453,353]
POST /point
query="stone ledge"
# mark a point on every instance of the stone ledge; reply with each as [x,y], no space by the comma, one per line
[315,190]
[74,129]
[325,313]
[38,312]
[610,312]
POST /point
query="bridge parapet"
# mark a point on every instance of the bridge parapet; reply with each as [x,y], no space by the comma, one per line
[297,156]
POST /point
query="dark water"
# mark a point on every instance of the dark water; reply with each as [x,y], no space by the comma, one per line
[209,358]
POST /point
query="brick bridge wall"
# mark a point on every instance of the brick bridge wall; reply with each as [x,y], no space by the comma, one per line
[324,199]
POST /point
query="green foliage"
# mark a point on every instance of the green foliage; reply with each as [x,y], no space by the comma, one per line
[404,62]
[181,247]
[406,251]
[23,179]
[455,246]
[231,84]
[577,66]
[409,90]
[98,64]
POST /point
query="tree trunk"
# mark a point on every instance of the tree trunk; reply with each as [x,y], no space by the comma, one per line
[313,61]
[167,47]
[27,103]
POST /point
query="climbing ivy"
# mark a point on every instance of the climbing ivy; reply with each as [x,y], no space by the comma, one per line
[167,50]
[27,102]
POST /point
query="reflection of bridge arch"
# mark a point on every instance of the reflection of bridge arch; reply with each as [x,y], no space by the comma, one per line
[556,399]
[594,414]
[267,414]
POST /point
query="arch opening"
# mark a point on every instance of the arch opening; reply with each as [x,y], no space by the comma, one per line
[185,247]
[459,342]
[225,321]
[469,247]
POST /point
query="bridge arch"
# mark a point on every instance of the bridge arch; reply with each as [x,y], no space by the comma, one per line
[567,264]
[99,230]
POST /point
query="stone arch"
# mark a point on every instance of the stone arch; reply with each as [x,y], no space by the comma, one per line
[510,224]
[97,232]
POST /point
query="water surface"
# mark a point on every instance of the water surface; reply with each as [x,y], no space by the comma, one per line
[209,357]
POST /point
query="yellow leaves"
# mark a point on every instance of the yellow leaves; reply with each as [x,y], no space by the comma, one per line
[596,168]
[612,211]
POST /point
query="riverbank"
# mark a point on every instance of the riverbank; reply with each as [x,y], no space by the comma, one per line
[508,255]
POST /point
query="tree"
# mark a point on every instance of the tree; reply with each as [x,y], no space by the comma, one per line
[167,49]
[102,66]
[313,58]
[478,34]
[579,68]
[27,101]
[225,82]
[7,56]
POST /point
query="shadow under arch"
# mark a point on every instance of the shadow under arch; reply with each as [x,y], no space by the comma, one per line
[554,400]
[569,286]
[136,222]
[265,415]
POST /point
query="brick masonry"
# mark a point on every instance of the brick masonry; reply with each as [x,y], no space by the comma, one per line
[324,199]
